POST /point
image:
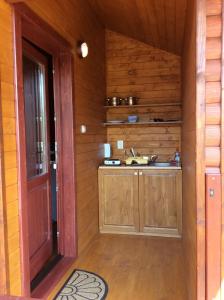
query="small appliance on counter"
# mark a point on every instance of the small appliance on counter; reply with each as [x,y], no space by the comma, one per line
[107,150]
[112,162]
[108,161]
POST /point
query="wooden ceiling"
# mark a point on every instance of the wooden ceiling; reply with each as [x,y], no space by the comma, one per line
[159,23]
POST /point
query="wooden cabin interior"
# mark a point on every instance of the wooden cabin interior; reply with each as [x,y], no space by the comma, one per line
[142,228]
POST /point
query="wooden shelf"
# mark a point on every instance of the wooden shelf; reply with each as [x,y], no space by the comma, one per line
[143,123]
[145,105]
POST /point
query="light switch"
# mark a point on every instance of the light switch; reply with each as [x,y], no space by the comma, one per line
[120,145]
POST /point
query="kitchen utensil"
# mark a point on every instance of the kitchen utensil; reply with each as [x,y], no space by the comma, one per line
[131,100]
[132,152]
[153,158]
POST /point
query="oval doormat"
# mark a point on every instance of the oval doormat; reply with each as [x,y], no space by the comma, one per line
[83,285]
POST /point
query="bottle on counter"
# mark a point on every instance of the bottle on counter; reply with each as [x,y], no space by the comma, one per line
[177,158]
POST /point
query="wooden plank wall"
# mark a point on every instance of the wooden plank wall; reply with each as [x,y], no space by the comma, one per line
[75,21]
[152,75]
[201,143]
[213,84]
[9,148]
[189,153]
[214,148]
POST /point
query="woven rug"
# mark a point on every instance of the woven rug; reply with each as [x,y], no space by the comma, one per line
[83,285]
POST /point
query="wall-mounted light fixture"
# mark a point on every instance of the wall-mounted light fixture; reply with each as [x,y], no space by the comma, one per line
[82,49]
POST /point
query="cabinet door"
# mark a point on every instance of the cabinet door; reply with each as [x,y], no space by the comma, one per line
[118,194]
[160,200]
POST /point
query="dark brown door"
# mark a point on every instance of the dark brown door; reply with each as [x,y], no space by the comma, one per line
[35,77]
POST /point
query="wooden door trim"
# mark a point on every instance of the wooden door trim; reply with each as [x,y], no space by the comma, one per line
[28,25]
[222,159]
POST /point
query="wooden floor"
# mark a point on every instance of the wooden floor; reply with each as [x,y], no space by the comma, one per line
[135,268]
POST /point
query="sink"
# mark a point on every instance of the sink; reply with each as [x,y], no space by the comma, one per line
[161,164]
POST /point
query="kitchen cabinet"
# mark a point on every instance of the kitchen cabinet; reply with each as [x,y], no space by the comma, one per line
[140,201]
[160,202]
[118,201]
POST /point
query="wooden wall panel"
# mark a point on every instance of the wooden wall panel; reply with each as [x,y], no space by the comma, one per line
[213,48]
[152,75]
[214,26]
[214,7]
[9,147]
[213,70]
[189,153]
[213,136]
[163,141]
[135,68]
[213,92]
[213,145]
[213,81]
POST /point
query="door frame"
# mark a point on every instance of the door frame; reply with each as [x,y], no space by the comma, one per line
[29,26]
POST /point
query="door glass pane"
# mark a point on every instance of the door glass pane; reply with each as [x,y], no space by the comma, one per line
[35,117]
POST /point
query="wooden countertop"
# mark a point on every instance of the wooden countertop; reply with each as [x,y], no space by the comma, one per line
[124,167]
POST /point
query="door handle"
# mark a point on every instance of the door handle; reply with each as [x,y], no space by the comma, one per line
[211,193]
[136,173]
[53,163]
[140,173]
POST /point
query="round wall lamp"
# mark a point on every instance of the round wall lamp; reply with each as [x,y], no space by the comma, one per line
[83,49]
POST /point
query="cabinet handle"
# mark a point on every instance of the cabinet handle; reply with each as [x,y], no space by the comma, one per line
[140,173]
[136,173]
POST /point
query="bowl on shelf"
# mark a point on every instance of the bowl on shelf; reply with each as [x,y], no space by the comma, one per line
[132,119]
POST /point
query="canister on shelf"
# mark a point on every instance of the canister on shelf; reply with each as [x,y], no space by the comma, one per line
[108,101]
[115,101]
[131,100]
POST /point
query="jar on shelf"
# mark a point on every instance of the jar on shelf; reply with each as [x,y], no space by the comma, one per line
[115,101]
[123,101]
[108,101]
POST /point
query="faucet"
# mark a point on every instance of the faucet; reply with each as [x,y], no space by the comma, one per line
[132,152]
[153,158]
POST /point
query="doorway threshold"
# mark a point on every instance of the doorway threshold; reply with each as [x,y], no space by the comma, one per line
[50,265]
[50,281]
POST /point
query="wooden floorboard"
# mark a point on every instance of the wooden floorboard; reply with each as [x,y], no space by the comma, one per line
[135,267]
